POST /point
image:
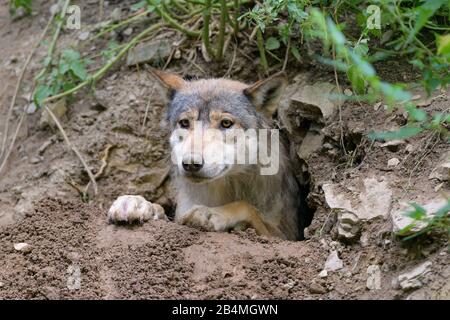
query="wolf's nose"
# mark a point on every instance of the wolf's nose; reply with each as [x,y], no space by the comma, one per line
[192,163]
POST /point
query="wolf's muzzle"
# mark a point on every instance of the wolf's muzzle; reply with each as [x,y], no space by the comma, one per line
[192,162]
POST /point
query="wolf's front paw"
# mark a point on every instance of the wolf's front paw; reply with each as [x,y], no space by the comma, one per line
[205,218]
[134,209]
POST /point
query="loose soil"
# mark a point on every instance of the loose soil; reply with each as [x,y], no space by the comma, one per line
[162,260]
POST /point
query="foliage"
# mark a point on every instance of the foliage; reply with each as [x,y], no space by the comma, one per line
[14,5]
[438,221]
[64,74]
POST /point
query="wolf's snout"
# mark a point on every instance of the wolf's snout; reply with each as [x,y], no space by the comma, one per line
[192,162]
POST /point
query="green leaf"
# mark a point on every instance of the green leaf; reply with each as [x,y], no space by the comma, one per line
[356,80]
[416,114]
[418,214]
[424,13]
[336,35]
[272,43]
[443,211]
[139,5]
[70,55]
[78,69]
[443,44]
[394,92]
[296,53]
[403,133]
[42,92]
[406,229]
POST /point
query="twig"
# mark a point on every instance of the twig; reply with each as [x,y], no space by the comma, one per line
[106,67]
[173,23]
[336,78]
[101,5]
[74,149]
[102,167]
[19,81]
[5,160]
[262,52]
[118,25]
[148,106]
[286,57]
[232,62]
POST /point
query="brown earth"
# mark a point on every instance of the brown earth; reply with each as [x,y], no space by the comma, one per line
[160,260]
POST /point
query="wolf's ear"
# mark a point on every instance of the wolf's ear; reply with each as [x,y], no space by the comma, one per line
[171,82]
[265,94]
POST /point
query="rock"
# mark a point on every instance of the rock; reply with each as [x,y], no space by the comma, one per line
[364,240]
[410,148]
[51,293]
[177,54]
[393,162]
[54,8]
[58,108]
[377,106]
[45,145]
[84,35]
[314,102]
[393,145]
[371,200]
[128,31]
[116,14]
[400,220]
[23,247]
[333,262]
[1,284]
[149,52]
[373,277]
[323,274]
[348,226]
[131,97]
[289,285]
[442,171]
[415,278]
[36,160]
[312,142]
[317,288]
[348,92]
[31,108]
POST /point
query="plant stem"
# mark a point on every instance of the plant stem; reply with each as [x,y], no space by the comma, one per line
[178,5]
[205,33]
[52,46]
[236,16]
[262,51]
[17,88]
[223,20]
[173,23]
[118,25]
[107,66]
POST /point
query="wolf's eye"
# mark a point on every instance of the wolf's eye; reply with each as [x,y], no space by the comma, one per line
[226,123]
[184,123]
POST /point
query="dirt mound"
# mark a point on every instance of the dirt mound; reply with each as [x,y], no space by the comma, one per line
[158,260]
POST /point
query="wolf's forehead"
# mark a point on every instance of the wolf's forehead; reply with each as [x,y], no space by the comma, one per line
[208,95]
[211,86]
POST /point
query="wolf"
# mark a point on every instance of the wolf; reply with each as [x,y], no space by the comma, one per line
[219,195]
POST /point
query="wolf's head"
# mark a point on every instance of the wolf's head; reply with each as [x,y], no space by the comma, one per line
[209,117]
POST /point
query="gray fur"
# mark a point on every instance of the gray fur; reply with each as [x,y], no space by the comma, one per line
[275,196]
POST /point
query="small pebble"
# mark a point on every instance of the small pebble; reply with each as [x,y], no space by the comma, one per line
[23,247]
[393,162]
[323,274]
